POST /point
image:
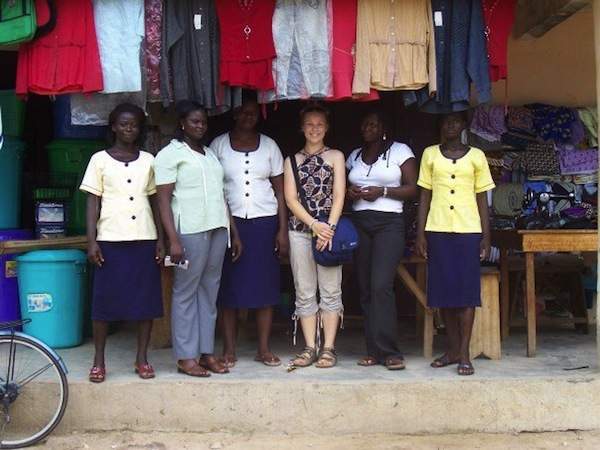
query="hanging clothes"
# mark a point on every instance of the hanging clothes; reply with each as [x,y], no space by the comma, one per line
[302,36]
[247,49]
[499,18]
[343,24]
[152,45]
[120,30]
[394,46]
[190,55]
[462,58]
[66,59]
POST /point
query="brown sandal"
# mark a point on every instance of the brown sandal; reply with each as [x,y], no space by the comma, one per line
[327,358]
[97,374]
[268,359]
[395,363]
[194,371]
[305,358]
[214,365]
[367,361]
[228,361]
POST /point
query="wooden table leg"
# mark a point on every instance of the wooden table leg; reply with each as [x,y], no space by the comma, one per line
[161,332]
[428,325]
[504,294]
[530,300]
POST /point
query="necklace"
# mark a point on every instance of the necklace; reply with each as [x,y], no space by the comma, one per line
[310,155]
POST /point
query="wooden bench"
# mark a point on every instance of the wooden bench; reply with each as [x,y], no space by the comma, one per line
[485,339]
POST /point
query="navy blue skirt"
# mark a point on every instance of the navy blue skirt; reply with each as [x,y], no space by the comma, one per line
[127,286]
[453,270]
[253,281]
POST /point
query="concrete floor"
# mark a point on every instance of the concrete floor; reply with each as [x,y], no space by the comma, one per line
[510,395]
[558,353]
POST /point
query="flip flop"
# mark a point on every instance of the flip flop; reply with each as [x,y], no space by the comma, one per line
[213,366]
[271,361]
[442,361]
[228,360]
[194,371]
[367,361]
[395,363]
[144,371]
[97,374]
[465,369]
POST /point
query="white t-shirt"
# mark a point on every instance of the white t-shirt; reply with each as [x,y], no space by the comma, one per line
[247,186]
[385,171]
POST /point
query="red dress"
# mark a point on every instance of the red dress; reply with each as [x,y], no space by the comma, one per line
[343,24]
[499,17]
[247,49]
[66,59]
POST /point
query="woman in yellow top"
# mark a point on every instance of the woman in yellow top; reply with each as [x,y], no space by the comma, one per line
[123,231]
[453,234]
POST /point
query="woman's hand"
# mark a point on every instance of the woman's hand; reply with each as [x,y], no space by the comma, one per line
[421,246]
[95,254]
[322,230]
[236,247]
[354,192]
[323,244]
[282,244]
[176,252]
[485,248]
[160,251]
[371,193]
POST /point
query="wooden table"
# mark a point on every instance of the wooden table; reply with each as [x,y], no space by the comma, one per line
[531,242]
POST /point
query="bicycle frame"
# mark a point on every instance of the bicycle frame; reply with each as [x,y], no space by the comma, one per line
[9,332]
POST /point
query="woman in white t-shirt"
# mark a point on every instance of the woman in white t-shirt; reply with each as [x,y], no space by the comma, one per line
[253,167]
[381,174]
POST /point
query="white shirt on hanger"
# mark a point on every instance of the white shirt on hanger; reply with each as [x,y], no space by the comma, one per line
[386,171]
[247,176]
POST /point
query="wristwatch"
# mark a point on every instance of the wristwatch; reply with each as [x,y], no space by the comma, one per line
[385,191]
[333,226]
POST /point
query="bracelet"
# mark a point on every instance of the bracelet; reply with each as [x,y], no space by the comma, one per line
[311,224]
[385,191]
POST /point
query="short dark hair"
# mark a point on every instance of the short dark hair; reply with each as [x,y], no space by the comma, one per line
[184,108]
[129,108]
[314,108]
[462,115]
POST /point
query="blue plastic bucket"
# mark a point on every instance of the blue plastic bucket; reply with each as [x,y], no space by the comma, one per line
[9,291]
[11,159]
[52,285]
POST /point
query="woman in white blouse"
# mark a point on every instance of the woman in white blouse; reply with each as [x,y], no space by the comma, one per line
[382,174]
[253,168]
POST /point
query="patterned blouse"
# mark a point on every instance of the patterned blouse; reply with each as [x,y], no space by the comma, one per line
[316,182]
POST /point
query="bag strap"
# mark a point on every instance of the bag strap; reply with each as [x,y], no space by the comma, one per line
[298,185]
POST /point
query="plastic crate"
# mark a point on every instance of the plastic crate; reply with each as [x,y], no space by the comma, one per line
[13,114]
[68,159]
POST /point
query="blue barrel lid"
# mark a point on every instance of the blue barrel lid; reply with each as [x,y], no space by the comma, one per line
[15,235]
[53,256]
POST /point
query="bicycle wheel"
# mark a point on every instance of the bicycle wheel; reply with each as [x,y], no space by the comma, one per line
[33,392]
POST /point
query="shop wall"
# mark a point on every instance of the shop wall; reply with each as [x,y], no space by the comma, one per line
[557,68]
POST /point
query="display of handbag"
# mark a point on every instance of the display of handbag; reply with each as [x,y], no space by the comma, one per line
[17,21]
[345,239]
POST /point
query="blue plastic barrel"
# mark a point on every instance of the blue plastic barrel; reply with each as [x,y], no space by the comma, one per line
[52,294]
[9,292]
[11,159]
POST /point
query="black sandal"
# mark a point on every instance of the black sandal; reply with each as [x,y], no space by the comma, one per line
[465,369]
[443,361]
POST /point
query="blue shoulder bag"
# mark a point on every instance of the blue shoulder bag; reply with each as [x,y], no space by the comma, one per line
[345,239]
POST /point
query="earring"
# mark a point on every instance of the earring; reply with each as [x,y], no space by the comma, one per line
[384,137]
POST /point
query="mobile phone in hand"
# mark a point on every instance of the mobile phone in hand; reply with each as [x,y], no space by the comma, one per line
[182,265]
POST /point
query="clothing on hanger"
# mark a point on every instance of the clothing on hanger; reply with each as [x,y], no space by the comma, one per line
[499,16]
[153,10]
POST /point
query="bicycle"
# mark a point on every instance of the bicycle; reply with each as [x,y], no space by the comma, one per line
[33,388]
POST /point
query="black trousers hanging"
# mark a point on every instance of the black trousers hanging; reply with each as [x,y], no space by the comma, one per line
[381,248]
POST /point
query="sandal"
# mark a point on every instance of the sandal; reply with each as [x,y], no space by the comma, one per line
[97,374]
[305,358]
[214,365]
[367,361]
[443,361]
[145,371]
[193,371]
[327,358]
[228,361]
[395,363]
[465,369]
[268,359]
